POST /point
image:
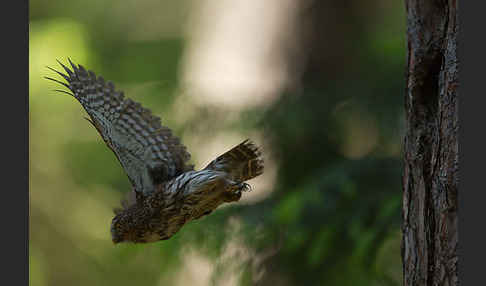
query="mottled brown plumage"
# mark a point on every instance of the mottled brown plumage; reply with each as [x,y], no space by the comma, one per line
[166,191]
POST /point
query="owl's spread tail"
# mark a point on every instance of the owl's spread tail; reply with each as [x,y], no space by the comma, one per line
[243,162]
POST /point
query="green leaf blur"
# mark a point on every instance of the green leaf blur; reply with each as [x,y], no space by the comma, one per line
[330,215]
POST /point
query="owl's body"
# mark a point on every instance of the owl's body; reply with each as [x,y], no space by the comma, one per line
[187,197]
[166,191]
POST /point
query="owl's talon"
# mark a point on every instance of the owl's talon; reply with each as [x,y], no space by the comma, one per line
[246,187]
[242,187]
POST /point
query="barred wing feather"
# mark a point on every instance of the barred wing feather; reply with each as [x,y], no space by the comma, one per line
[147,151]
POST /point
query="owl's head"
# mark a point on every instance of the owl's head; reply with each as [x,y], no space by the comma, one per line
[125,229]
[120,230]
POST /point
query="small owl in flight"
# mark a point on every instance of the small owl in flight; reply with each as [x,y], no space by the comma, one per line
[166,191]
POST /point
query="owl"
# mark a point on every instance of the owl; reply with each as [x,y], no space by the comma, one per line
[166,191]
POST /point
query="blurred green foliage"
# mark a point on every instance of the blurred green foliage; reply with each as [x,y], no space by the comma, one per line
[332,218]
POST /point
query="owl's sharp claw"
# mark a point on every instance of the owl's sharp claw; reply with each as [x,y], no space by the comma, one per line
[246,187]
[242,187]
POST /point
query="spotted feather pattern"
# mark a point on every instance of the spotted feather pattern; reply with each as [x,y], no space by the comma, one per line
[147,151]
[243,162]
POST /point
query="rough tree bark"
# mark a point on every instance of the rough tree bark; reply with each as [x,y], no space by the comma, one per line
[430,179]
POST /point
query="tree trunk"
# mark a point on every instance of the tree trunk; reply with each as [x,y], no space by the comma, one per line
[430,179]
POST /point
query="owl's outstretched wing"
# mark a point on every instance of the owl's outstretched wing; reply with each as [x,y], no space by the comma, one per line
[147,151]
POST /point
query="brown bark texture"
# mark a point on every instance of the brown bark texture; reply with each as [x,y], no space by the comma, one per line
[431,163]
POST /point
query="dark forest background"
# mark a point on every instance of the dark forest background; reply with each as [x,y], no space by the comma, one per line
[327,210]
